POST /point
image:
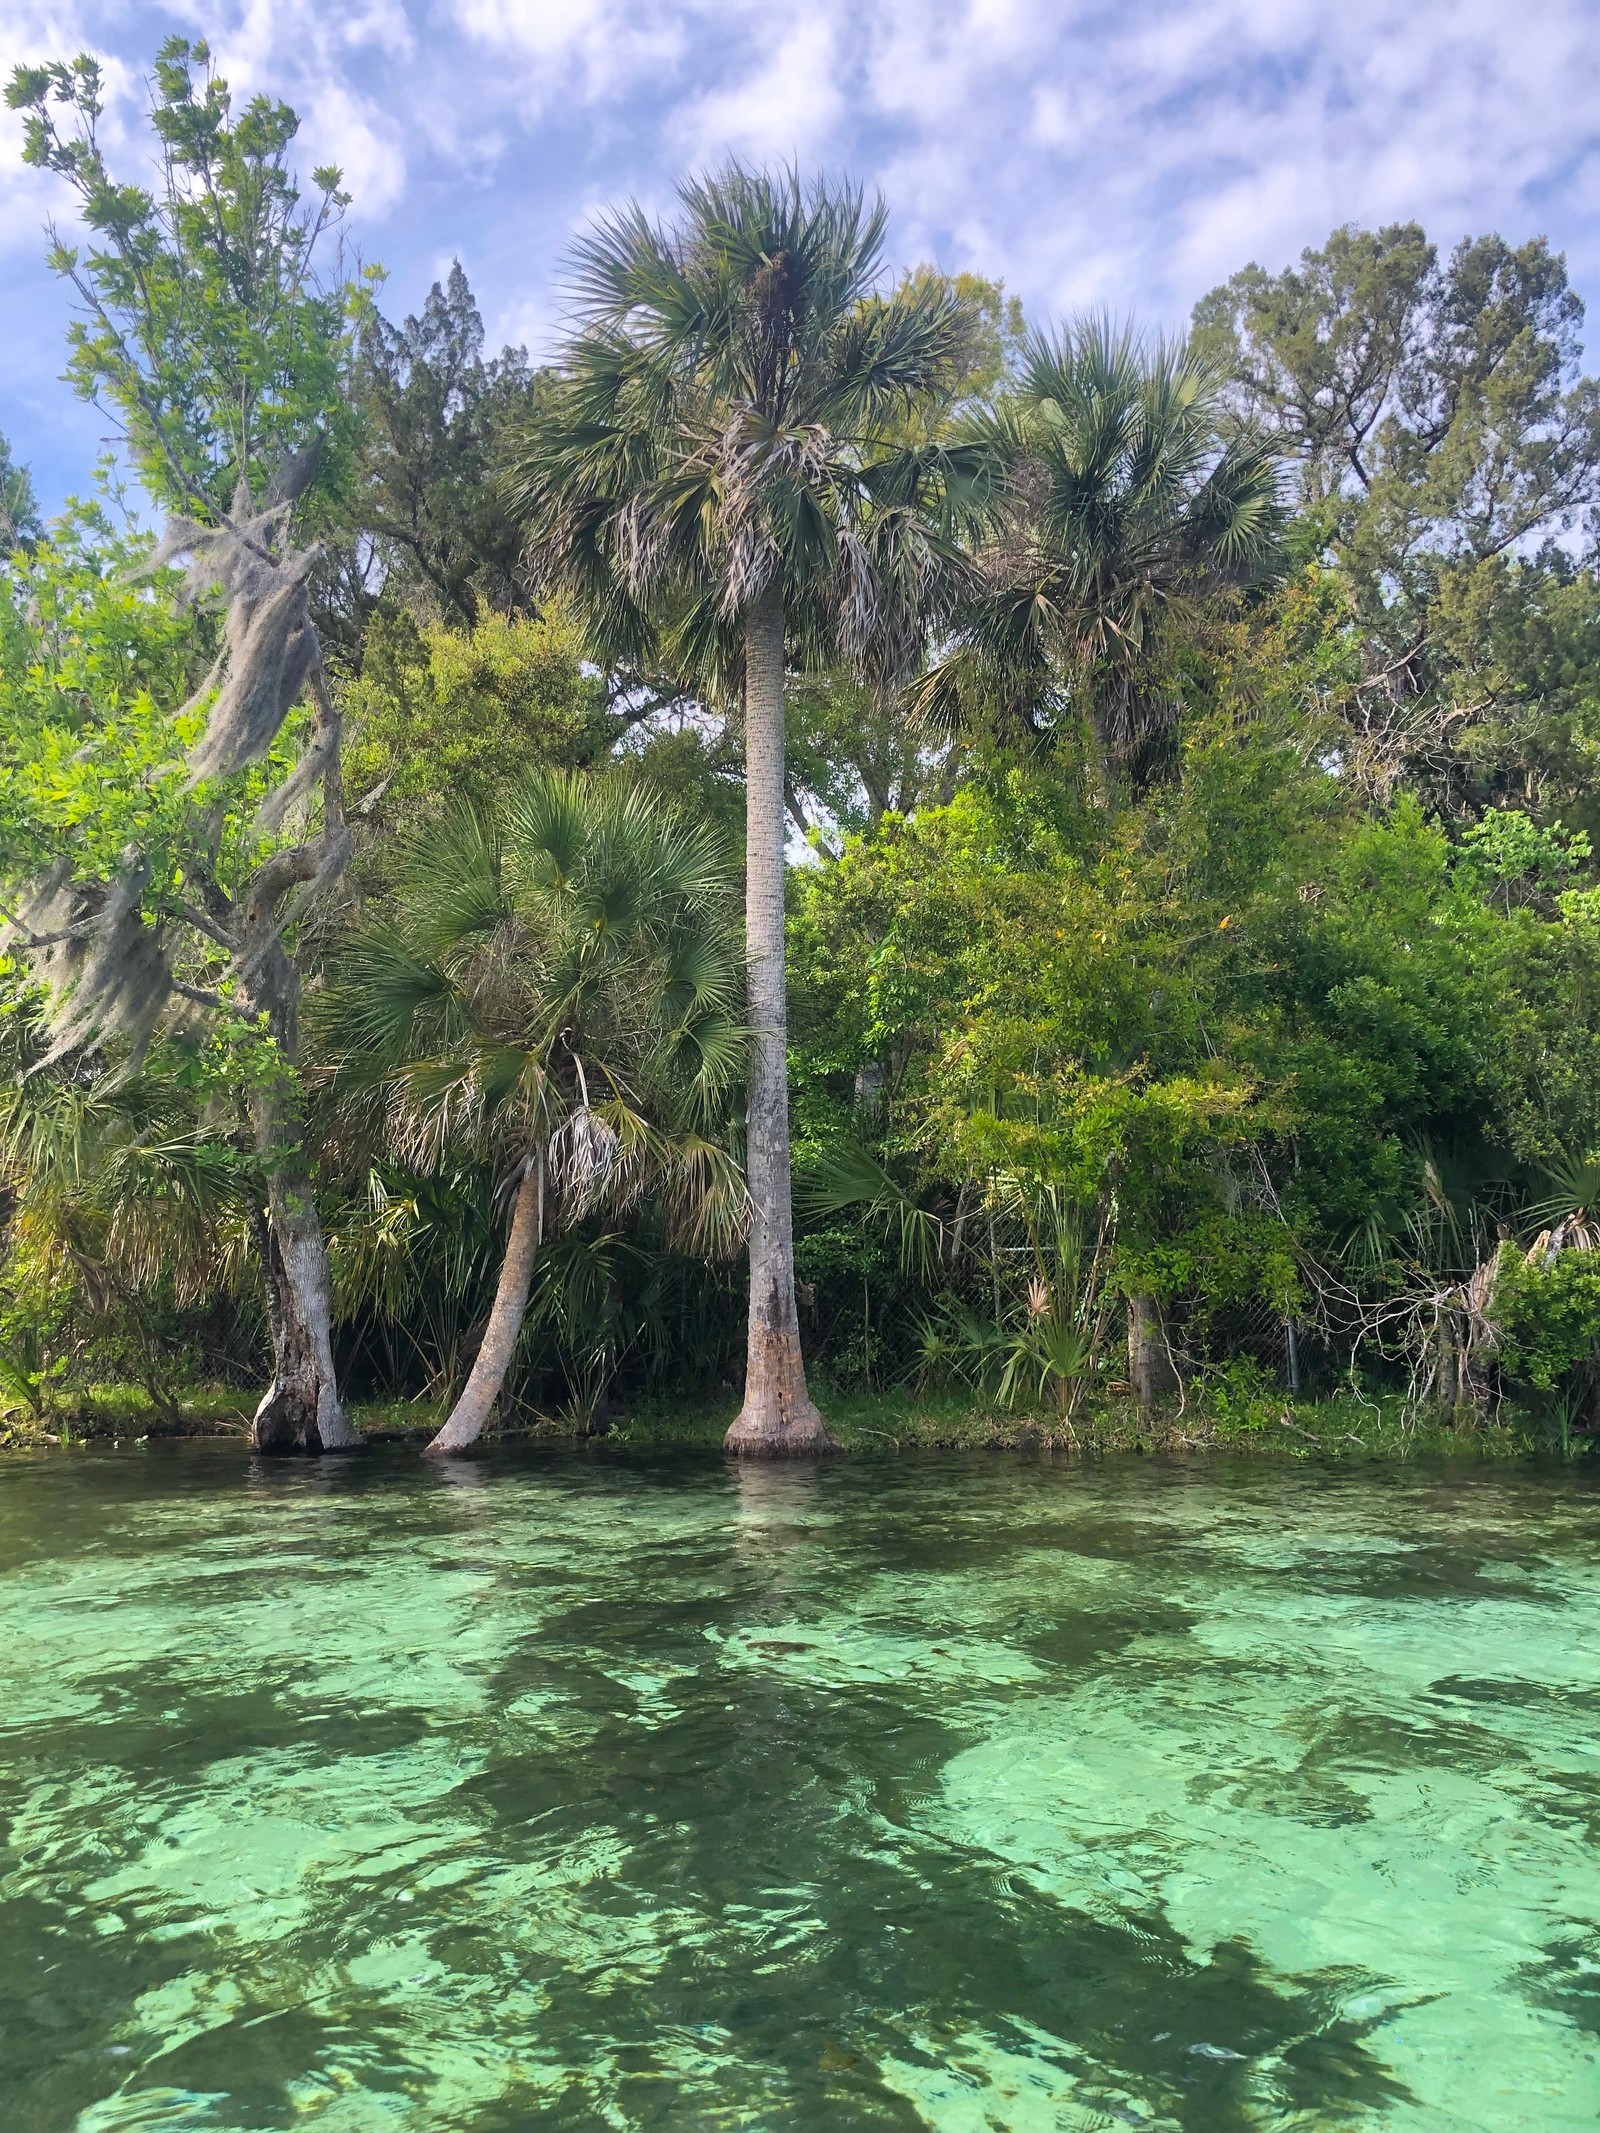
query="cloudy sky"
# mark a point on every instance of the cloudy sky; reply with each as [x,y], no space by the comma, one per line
[1126,153]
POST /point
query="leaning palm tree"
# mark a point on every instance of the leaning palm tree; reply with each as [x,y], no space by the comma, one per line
[720,485]
[558,991]
[1117,508]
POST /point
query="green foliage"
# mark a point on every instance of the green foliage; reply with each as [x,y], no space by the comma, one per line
[1277,1040]
[93,660]
[206,329]
[205,325]
[1270,998]
[987,350]
[1547,1318]
[425,516]
[1111,503]
[846,1176]
[1438,403]
[125,1220]
[441,715]
[553,983]
[97,664]
[1218,1259]
[1241,1401]
[556,983]
[19,513]
[1441,425]
[568,951]
[1507,855]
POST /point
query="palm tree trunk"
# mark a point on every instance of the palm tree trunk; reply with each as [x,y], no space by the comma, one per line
[482,1389]
[777,1419]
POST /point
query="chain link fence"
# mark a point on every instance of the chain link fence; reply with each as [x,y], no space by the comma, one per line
[876,1326]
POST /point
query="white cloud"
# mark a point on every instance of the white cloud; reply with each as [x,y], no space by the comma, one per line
[340,127]
[28,36]
[302,52]
[789,105]
[1119,152]
[594,49]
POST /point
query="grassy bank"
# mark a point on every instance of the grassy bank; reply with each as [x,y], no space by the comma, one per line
[1343,1426]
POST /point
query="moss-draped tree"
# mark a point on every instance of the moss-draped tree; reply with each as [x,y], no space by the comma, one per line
[207,330]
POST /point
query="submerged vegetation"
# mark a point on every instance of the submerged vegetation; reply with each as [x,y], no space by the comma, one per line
[1160,780]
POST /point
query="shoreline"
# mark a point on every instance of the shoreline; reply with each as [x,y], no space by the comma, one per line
[1340,1428]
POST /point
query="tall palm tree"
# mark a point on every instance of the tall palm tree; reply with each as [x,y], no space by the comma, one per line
[1118,502]
[721,484]
[559,990]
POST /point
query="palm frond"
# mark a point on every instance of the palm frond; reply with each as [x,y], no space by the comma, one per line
[848,1177]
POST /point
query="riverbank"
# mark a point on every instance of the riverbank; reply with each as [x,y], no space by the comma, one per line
[1344,1426]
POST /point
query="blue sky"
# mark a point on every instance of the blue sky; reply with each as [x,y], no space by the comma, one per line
[1127,155]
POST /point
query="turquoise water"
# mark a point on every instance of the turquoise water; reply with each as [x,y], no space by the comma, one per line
[960,1793]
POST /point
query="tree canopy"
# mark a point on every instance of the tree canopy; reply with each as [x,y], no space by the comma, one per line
[1161,775]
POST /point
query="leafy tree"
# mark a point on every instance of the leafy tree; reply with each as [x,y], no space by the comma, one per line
[19,513]
[147,875]
[203,328]
[1114,511]
[1448,395]
[1441,429]
[1294,1056]
[428,523]
[439,715]
[1517,860]
[1546,1312]
[559,988]
[988,349]
[713,486]
[92,657]
[124,1215]
[857,753]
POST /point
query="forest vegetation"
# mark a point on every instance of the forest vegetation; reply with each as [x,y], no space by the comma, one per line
[838,859]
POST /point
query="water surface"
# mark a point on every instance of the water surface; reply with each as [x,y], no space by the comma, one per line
[964,1793]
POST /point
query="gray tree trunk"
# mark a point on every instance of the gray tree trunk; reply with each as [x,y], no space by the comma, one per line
[777,1419]
[467,1418]
[1150,1368]
[300,1411]
[869,1092]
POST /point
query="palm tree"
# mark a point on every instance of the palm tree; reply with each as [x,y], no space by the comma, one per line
[1117,504]
[119,1199]
[719,485]
[558,991]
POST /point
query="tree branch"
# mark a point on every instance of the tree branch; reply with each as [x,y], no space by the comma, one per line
[204,925]
[200,997]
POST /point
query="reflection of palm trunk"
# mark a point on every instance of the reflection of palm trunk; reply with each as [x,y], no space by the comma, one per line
[772,1503]
[777,1417]
[510,1306]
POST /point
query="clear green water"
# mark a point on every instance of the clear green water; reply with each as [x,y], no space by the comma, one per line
[955,1793]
